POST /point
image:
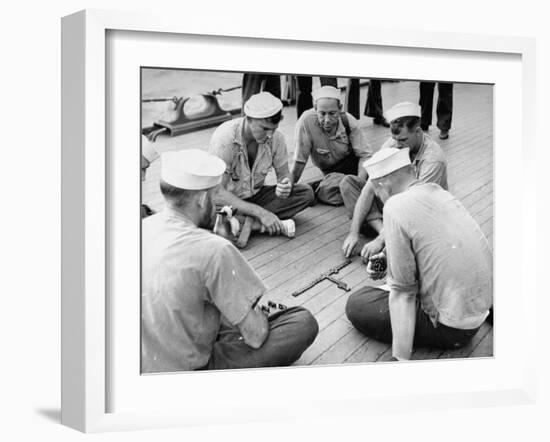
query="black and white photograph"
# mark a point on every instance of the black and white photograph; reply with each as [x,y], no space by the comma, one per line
[304,220]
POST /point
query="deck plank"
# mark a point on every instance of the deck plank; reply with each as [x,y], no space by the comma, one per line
[370,351]
[325,339]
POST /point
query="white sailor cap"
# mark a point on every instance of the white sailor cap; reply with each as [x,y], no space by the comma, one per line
[148,150]
[404,109]
[386,161]
[262,105]
[191,169]
[326,92]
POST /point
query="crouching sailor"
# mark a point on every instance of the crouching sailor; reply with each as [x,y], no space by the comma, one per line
[440,266]
[199,295]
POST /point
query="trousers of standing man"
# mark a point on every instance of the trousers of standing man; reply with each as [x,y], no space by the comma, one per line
[291,332]
[444,109]
[373,106]
[255,83]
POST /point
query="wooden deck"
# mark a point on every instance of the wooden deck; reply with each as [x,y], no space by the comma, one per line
[286,265]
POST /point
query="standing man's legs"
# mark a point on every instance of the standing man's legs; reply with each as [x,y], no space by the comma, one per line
[426,103]
[373,107]
[252,84]
[353,95]
[304,101]
[444,108]
[291,332]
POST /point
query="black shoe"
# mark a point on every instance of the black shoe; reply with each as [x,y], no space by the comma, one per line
[444,134]
[425,128]
[381,121]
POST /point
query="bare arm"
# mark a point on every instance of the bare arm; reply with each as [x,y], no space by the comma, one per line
[254,328]
[297,170]
[403,321]
[226,198]
[361,171]
[360,212]
[362,207]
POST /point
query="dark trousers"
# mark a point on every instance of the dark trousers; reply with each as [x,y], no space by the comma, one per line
[373,107]
[304,100]
[300,198]
[328,190]
[252,84]
[291,332]
[369,312]
[444,109]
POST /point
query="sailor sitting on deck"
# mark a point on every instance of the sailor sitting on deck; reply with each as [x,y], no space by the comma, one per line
[148,155]
[199,294]
[334,141]
[428,162]
[251,146]
[440,266]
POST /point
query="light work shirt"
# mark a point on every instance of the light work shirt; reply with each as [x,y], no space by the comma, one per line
[228,143]
[327,150]
[429,162]
[437,251]
[191,280]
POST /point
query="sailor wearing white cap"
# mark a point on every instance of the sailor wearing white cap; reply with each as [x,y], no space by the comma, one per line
[196,286]
[251,146]
[429,164]
[334,142]
[440,280]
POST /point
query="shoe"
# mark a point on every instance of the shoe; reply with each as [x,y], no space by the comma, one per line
[425,128]
[289,228]
[381,121]
[444,134]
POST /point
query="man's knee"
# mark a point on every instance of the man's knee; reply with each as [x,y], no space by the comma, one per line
[330,195]
[306,325]
[301,328]
[304,192]
[350,189]
[368,311]
[351,183]
[346,183]
[353,308]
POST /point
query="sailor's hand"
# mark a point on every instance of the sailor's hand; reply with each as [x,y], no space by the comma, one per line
[377,266]
[372,248]
[350,244]
[271,222]
[284,187]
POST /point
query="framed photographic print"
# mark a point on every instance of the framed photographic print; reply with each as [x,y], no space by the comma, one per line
[138,87]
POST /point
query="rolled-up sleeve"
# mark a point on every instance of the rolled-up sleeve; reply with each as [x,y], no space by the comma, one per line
[233,285]
[402,271]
